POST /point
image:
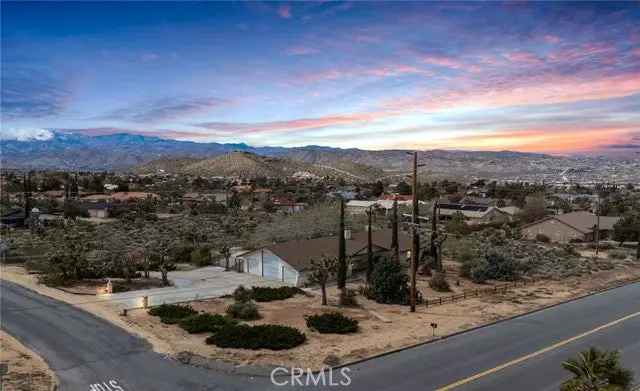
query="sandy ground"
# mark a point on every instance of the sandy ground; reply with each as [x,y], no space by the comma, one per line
[379,324]
[26,370]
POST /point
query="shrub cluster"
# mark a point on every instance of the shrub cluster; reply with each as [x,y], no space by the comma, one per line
[389,283]
[205,323]
[494,266]
[172,313]
[332,323]
[268,336]
[264,294]
[247,310]
[439,283]
[617,254]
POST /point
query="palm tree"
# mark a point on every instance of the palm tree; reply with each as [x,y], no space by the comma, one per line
[596,370]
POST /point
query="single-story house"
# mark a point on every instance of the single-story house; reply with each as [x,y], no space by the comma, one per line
[475,214]
[287,205]
[99,210]
[126,196]
[290,261]
[576,226]
[360,207]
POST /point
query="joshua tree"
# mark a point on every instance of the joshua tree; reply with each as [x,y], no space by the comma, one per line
[369,246]
[321,272]
[596,370]
[394,233]
[226,253]
[342,251]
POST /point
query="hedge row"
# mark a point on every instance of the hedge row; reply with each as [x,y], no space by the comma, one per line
[268,336]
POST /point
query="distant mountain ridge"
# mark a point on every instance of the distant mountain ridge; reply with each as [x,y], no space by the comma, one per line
[125,152]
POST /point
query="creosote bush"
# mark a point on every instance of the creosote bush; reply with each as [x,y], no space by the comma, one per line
[264,294]
[172,313]
[439,283]
[268,336]
[332,323]
[243,310]
[205,323]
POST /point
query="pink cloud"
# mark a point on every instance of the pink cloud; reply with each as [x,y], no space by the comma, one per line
[290,125]
[379,71]
[523,57]
[442,61]
[554,139]
[636,52]
[301,51]
[284,11]
[551,39]
[503,92]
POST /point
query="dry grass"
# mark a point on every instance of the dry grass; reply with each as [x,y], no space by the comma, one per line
[26,371]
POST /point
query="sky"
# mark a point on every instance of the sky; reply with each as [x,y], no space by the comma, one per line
[560,78]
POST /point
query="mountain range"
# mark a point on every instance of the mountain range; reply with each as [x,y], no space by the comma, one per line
[128,152]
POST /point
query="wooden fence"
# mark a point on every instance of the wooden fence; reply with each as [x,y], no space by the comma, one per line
[468,294]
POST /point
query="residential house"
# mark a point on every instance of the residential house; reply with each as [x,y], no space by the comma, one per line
[568,227]
[474,214]
[290,262]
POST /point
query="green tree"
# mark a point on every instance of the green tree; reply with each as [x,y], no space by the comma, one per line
[389,283]
[596,370]
[534,209]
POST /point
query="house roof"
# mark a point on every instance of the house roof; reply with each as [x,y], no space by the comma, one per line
[510,210]
[299,253]
[582,221]
[470,211]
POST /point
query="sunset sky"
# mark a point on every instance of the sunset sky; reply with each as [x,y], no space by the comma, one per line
[545,77]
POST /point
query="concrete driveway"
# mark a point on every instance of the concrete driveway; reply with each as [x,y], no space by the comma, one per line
[203,283]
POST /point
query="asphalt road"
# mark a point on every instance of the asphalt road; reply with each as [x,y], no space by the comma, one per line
[85,350]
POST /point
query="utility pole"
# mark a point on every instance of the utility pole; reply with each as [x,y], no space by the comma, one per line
[394,233]
[434,236]
[598,226]
[369,246]
[27,195]
[414,227]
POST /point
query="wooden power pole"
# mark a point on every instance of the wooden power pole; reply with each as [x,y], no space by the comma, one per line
[414,227]
[394,233]
[597,238]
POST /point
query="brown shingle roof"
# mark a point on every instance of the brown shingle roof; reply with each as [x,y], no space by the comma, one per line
[582,221]
[299,253]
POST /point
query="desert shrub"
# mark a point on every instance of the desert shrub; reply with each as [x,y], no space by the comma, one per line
[200,257]
[439,283]
[494,266]
[247,310]
[389,283]
[172,313]
[542,238]
[332,323]
[617,254]
[348,298]
[268,336]
[205,323]
[264,294]
[242,294]
[571,250]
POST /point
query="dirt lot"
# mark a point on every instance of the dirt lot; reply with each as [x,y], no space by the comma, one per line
[26,371]
[382,327]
